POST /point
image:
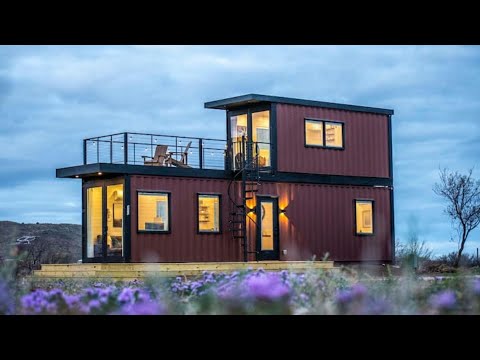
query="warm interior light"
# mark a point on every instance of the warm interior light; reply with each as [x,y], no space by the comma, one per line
[99,173]
[77,176]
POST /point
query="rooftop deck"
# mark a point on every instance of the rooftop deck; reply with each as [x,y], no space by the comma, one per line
[139,149]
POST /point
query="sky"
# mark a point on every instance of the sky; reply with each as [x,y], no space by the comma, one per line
[51,97]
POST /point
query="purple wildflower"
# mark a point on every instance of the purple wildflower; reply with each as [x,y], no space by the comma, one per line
[92,304]
[143,308]
[126,296]
[344,296]
[71,300]
[359,290]
[266,287]
[444,300]
[476,287]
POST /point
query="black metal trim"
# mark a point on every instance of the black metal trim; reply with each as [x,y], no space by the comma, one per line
[219,195]
[392,203]
[304,178]
[109,259]
[127,215]
[104,221]
[84,220]
[169,203]
[392,223]
[324,140]
[356,233]
[326,179]
[273,138]
[251,99]
[267,254]
[92,170]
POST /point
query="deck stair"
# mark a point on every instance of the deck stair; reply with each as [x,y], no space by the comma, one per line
[138,271]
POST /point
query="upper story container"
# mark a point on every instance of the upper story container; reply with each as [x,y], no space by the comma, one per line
[311,137]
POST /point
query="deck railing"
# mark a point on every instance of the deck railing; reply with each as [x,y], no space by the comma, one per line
[139,149]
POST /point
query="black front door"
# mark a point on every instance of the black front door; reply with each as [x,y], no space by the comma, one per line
[267,244]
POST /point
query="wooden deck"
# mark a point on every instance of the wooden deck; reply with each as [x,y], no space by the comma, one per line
[138,271]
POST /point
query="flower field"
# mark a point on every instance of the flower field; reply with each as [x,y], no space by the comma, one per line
[248,292]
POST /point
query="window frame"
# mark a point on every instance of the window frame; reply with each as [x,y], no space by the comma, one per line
[203,232]
[372,201]
[323,122]
[169,204]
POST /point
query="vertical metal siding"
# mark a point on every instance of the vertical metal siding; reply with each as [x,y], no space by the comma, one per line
[366,143]
[318,219]
[183,244]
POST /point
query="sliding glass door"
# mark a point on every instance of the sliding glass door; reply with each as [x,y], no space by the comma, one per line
[104,213]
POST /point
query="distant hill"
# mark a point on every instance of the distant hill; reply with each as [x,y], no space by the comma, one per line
[61,238]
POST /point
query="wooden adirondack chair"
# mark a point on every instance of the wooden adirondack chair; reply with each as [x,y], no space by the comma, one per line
[159,157]
[183,162]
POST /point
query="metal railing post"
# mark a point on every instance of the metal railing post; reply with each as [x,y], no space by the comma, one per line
[84,152]
[200,153]
[111,149]
[125,148]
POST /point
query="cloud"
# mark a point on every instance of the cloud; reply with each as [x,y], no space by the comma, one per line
[53,96]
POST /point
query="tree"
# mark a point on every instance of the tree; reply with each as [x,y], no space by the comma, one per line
[462,193]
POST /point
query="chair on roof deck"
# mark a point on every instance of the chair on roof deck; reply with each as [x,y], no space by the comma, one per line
[183,162]
[159,158]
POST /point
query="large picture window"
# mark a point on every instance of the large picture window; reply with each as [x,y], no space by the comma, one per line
[364,217]
[154,212]
[325,134]
[208,213]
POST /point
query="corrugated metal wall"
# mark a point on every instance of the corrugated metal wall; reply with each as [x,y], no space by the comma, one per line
[318,219]
[366,143]
[183,244]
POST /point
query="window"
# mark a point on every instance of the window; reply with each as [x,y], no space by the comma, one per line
[208,213]
[333,135]
[325,134]
[154,212]
[364,217]
[313,133]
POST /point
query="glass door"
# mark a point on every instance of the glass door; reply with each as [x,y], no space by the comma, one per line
[261,137]
[238,131]
[115,220]
[94,222]
[267,229]
[104,222]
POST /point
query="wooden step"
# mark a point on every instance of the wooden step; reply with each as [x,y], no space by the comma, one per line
[143,270]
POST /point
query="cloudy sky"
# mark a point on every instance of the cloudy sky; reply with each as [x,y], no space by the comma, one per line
[51,97]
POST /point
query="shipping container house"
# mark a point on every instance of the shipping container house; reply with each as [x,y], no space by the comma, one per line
[294,180]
